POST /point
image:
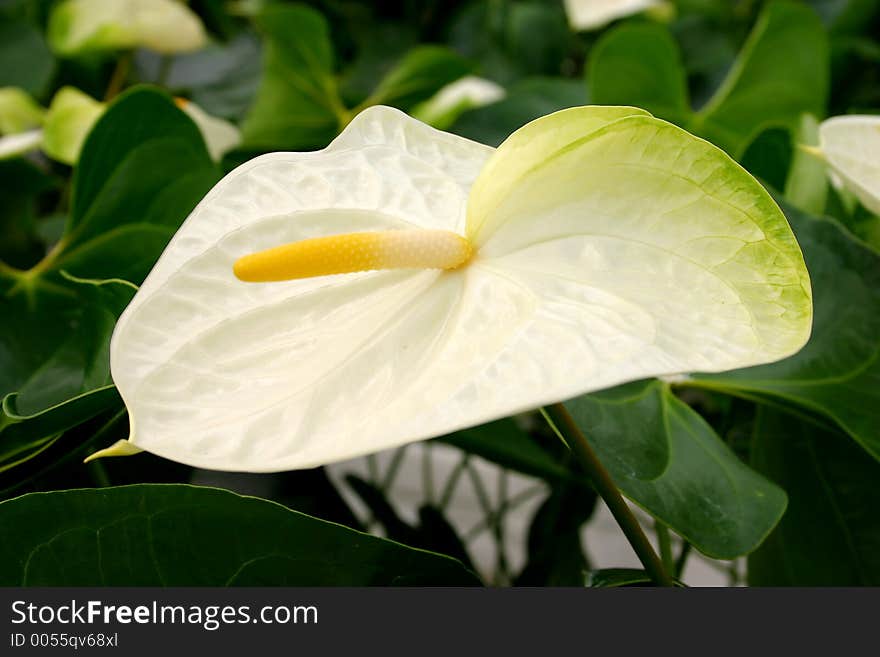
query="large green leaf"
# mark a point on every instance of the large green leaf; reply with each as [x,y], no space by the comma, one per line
[838,372]
[297,105]
[704,492]
[830,533]
[419,75]
[781,73]
[176,535]
[640,64]
[56,328]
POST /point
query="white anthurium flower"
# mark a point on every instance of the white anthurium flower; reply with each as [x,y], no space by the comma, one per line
[404,283]
[456,98]
[851,147]
[66,124]
[584,15]
[220,135]
[72,114]
[18,111]
[20,143]
[165,26]
[70,118]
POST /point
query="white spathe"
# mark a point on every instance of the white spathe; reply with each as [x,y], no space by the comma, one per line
[456,98]
[220,135]
[83,26]
[851,146]
[586,15]
[612,246]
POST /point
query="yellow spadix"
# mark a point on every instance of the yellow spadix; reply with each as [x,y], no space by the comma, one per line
[353,252]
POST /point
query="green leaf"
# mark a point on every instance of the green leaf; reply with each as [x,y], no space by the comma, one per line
[379,47]
[434,532]
[781,73]
[505,443]
[525,101]
[25,59]
[640,64]
[618,419]
[769,156]
[513,40]
[830,533]
[176,535]
[837,373]
[297,105]
[536,37]
[24,436]
[119,159]
[381,509]
[705,493]
[555,554]
[56,328]
[610,578]
[422,72]
[73,383]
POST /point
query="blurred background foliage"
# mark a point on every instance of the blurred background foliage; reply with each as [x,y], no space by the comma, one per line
[115,123]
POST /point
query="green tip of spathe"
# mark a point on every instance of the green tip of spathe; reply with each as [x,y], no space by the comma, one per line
[119,448]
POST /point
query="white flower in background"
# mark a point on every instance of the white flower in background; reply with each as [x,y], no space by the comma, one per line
[415,283]
[166,26]
[220,135]
[71,116]
[456,98]
[586,15]
[851,147]
[19,114]
[18,111]
[65,125]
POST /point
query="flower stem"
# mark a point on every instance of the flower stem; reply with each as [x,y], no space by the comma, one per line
[665,545]
[608,491]
[117,79]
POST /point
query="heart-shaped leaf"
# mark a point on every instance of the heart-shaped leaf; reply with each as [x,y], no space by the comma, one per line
[704,492]
[176,535]
[297,105]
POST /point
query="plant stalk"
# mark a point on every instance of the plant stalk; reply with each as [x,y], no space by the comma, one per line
[609,492]
[117,79]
